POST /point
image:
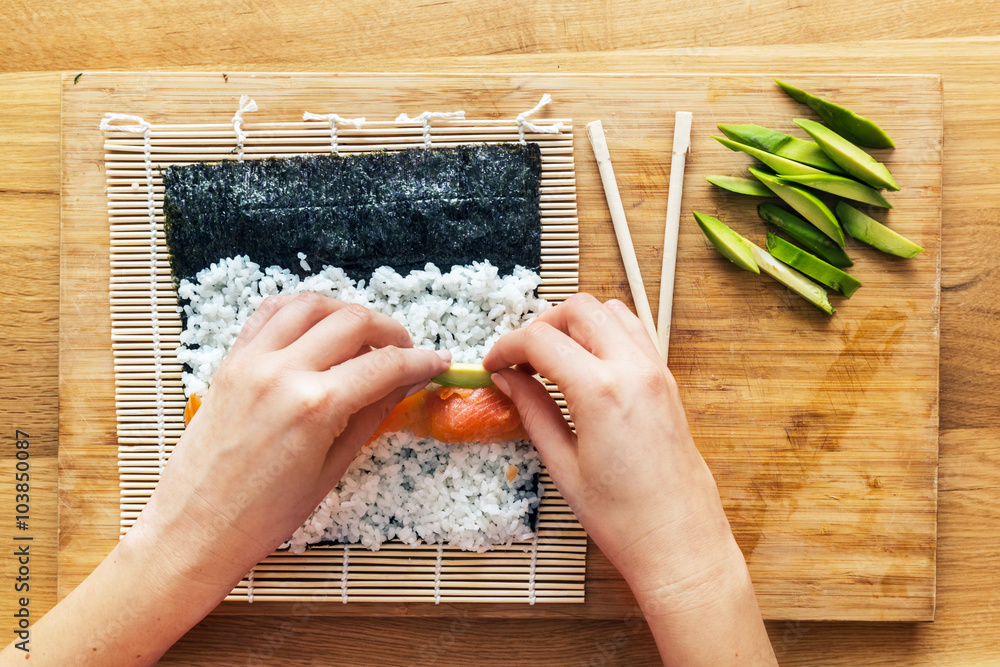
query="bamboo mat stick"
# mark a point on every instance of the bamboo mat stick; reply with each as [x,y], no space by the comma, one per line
[678,160]
[596,134]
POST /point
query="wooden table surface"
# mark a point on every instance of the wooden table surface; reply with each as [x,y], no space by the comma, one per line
[960,41]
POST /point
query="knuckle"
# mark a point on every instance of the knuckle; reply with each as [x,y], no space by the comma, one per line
[310,299]
[581,298]
[606,388]
[391,360]
[311,401]
[311,302]
[267,377]
[652,381]
[268,306]
[537,331]
[358,315]
[359,311]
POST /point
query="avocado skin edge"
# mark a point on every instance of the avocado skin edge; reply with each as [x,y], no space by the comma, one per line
[855,128]
[805,233]
[812,266]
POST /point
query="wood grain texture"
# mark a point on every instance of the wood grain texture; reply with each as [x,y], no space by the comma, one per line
[29,351]
[957,40]
[833,503]
[264,34]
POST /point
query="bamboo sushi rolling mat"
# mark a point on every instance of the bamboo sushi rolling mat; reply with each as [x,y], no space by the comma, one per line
[821,432]
[149,395]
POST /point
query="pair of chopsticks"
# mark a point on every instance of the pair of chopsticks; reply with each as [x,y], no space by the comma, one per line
[660,335]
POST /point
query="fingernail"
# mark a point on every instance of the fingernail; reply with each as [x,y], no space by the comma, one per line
[444,354]
[415,388]
[501,383]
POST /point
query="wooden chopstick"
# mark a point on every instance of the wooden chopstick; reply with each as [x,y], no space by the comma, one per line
[682,146]
[596,134]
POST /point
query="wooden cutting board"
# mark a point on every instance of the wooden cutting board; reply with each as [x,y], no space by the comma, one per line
[821,431]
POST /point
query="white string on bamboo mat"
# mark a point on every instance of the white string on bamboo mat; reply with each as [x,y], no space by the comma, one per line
[146,129]
[334,119]
[523,122]
[345,565]
[426,117]
[140,126]
[246,104]
[437,573]
[534,554]
[250,586]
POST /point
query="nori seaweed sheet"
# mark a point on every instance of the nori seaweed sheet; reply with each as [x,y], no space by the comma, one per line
[359,212]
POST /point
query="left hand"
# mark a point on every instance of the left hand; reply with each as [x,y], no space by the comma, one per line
[305,384]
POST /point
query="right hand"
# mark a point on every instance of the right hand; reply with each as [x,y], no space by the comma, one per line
[631,472]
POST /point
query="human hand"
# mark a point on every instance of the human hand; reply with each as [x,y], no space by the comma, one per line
[305,384]
[633,475]
[631,472]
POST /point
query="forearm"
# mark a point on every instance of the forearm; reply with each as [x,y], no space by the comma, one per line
[127,612]
[716,622]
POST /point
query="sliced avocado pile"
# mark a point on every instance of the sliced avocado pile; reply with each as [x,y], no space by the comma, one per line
[809,176]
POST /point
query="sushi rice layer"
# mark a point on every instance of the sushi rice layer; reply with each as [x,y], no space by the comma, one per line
[420,490]
[473,496]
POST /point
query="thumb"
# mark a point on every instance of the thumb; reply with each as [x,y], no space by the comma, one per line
[544,422]
[359,429]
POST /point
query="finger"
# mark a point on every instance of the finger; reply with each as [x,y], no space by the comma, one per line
[370,377]
[359,429]
[589,323]
[265,311]
[553,353]
[527,369]
[296,317]
[544,423]
[633,327]
[340,335]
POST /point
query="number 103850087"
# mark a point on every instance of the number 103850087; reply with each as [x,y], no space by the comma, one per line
[22,485]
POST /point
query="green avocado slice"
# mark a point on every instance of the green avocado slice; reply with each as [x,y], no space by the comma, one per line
[779,143]
[792,279]
[812,266]
[806,203]
[465,376]
[733,246]
[842,187]
[854,161]
[875,234]
[848,124]
[743,186]
[779,164]
[752,258]
[804,233]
